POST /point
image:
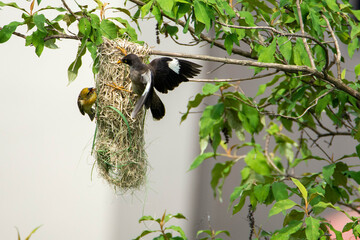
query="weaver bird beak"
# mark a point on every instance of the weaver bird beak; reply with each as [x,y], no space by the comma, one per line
[119,61]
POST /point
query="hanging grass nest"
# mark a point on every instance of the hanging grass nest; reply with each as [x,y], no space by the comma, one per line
[119,143]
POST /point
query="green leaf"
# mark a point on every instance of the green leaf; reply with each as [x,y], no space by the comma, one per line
[262,88]
[209,89]
[354,175]
[315,21]
[146,218]
[228,44]
[312,228]
[279,190]
[32,232]
[146,8]
[257,162]
[177,229]
[199,159]
[267,54]
[178,216]
[357,70]
[95,21]
[7,31]
[353,45]
[222,231]
[39,21]
[172,30]
[202,13]
[220,172]
[76,64]
[37,39]
[322,102]
[249,18]
[328,171]
[84,27]
[144,233]
[321,206]
[281,206]
[294,214]
[348,226]
[14,5]
[284,234]
[157,14]
[332,5]
[285,47]
[166,5]
[109,29]
[224,5]
[261,192]
[301,187]
[356,14]
[211,123]
[338,234]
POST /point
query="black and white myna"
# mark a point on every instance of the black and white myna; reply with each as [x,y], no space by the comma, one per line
[163,73]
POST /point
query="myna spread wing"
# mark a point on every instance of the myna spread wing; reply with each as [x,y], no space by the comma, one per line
[170,72]
[146,79]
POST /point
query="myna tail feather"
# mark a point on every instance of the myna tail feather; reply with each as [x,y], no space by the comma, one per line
[157,107]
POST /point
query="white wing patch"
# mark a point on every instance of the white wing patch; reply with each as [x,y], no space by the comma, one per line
[174,65]
[146,76]
[145,79]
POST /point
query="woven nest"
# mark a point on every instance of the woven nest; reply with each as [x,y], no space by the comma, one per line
[119,143]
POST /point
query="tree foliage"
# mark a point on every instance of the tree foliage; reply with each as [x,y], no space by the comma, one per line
[313,95]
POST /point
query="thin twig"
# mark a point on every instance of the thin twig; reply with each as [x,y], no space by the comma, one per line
[351,206]
[70,11]
[281,67]
[204,37]
[303,32]
[213,70]
[233,80]
[315,101]
[17,34]
[268,158]
[322,150]
[336,43]
[284,34]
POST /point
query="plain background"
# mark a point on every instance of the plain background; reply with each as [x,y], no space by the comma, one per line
[45,144]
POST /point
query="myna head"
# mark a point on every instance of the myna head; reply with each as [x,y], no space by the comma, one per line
[130,60]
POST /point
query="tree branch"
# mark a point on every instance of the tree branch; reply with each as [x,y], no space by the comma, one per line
[202,36]
[284,34]
[336,43]
[268,158]
[233,80]
[281,67]
[70,11]
[303,33]
[351,206]
[57,36]
[17,34]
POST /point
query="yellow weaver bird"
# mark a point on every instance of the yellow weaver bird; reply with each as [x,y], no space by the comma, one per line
[86,99]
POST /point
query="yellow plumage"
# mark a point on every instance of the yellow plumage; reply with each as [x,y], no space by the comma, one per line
[86,99]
